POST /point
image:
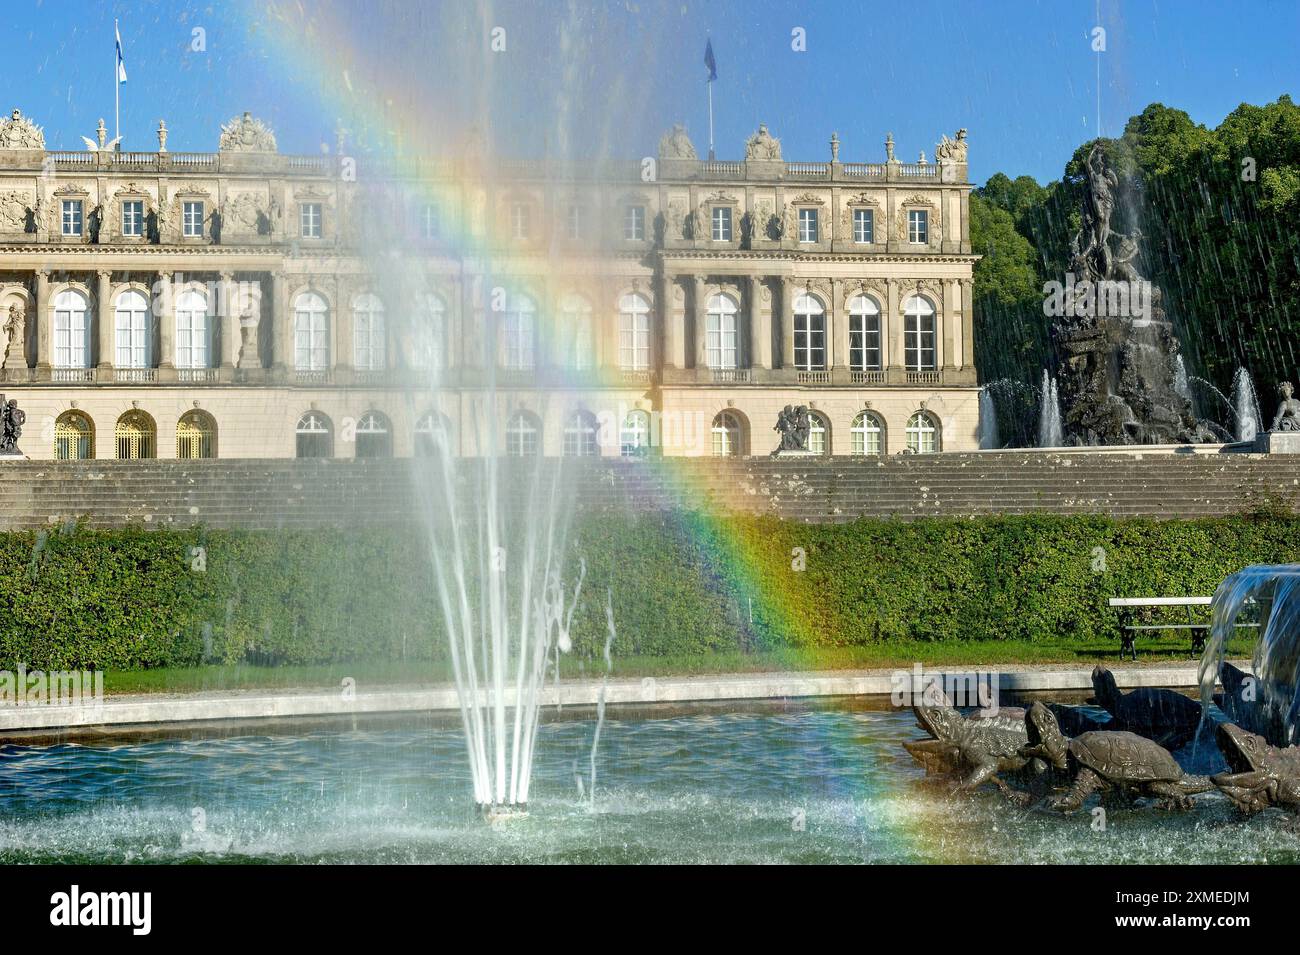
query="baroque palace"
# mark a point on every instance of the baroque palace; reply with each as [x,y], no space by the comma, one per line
[248,304]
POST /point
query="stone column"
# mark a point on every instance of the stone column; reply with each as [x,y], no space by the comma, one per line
[44,336]
[282,327]
[895,373]
[838,360]
[760,326]
[967,308]
[674,351]
[948,326]
[104,319]
[698,317]
[229,323]
[166,323]
[343,355]
[788,292]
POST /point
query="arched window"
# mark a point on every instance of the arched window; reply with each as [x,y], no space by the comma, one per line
[634,437]
[71,330]
[136,436]
[427,349]
[809,333]
[918,334]
[314,436]
[132,332]
[728,435]
[374,436]
[311,348]
[818,434]
[579,335]
[432,435]
[196,435]
[723,336]
[634,332]
[868,434]
[922,433]
[74,437]
[523,436]
[193,332]
[580,435]
[864,334]
[518,334]
[368,341]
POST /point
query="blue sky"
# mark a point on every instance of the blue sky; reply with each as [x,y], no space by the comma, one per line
[607,78]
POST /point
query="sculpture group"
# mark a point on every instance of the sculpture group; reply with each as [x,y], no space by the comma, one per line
[11,426]
[795,425]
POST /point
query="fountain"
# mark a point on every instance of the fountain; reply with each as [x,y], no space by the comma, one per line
[989,439]
[1245,405]
[1050,434]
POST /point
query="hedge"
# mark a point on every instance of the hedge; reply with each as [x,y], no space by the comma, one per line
[680,584]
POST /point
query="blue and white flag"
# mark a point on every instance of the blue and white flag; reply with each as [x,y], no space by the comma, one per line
[121,64]
[710,62]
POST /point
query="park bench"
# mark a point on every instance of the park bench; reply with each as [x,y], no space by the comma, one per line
[1129,628]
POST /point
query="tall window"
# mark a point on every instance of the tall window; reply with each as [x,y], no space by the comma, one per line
[807,225]
[135,436]
[131,329]
[818,431]
[864,334]
[314,436]
[579,336]
[918,334]
[809,334]
[192,220]
[311,349]
[633,333]
[430,221]
[864,226]
[368,342]
[634,223]
[196,435]
[72,217]
[523,436]
[519,220]
[634,436]
[721,224]
[867,434]
[580,433]
[722,343]
[374,436]
[518,334]
[918,226]
[133,217]
[922,434]
[728,435]
[309,220]
[71,330]
[432,435]
[74,437]
[429,335]
[193,333]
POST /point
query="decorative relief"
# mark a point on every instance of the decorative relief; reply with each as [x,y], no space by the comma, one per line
[246,134]
[19,132]
[245,213]
[762,145]
[936,218]
[14,207]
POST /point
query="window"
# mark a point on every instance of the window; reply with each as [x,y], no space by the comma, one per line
[72,217]
[368,333]
[922,435]
[807,225]
[374,437]
[518,325]
[580,436]
[309,220]
[809,334]
[310,333]
[192,220]
[721,342]
[868,435]
[429,335]
[634,223]
[196,435]
[430,221]
[573,223]
[133,217]
[721,224]
[192,331]
[634,436]
[864,226]
[519,224]
[135,436]
[522,435]
[918,334]
[71,330]
[817,434]
[314,436]
[864,334]
[579,343]
[131,327]
[728,435]
[918,226]
[432,435]
[633,333]
[74,437]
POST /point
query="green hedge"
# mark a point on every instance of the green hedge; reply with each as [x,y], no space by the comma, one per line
[680,584]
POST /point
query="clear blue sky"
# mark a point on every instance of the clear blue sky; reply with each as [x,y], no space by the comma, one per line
[603,78]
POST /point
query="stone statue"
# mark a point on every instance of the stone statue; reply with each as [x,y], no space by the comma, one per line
[11,426]
[246,134]
[889,148]
[18,132]
[101,143]
[1288,410]
[675,144]
[1099,206]
[162,135]
[794,424]
[14,329]
[951,150]
[762,145]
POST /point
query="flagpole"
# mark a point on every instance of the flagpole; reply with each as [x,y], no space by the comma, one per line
[117,90]
[710,85]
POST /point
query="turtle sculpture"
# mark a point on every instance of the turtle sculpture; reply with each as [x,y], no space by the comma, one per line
[1165,716]
[980,746]
[1108,760]
[1238,701]
[1261,775]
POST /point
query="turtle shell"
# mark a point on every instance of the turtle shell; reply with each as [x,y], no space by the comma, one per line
[1124,757]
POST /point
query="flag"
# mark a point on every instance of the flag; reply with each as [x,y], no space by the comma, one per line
[710,62]
[121,64]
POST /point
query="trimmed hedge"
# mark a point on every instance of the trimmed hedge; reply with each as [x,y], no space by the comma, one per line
[681,584]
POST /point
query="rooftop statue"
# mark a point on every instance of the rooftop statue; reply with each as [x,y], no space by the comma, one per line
[246,134]
[1288,410]
[762,145]
[951,150]
[19,132]
[675,144]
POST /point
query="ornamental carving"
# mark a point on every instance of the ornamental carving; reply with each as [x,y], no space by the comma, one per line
[951,150]
[19,132]
[677,218]
[129,192]
[246,134]
[875,288]
[935,223]
[762,145]
[675,144]
[245,213]
[13,211]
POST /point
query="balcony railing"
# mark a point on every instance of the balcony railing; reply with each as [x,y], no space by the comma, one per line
[72,374]
[875,377]
[634,376]
[730,375]
[135,375]
[814,377]
[720,169]
[373,376]
[923,377]
[311,376]
[864,170]
[817,170]
[918,170]
[196,375]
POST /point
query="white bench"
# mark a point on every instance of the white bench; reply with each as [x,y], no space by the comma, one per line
[1128,630]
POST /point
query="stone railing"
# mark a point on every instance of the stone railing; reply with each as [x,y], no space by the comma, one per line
[730,375]
[874,377]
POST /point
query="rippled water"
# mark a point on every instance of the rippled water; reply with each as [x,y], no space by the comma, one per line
[817,785]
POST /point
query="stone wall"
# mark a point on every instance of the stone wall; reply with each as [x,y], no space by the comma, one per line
[293,493]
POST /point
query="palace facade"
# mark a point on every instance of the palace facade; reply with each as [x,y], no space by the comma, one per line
[248,304]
